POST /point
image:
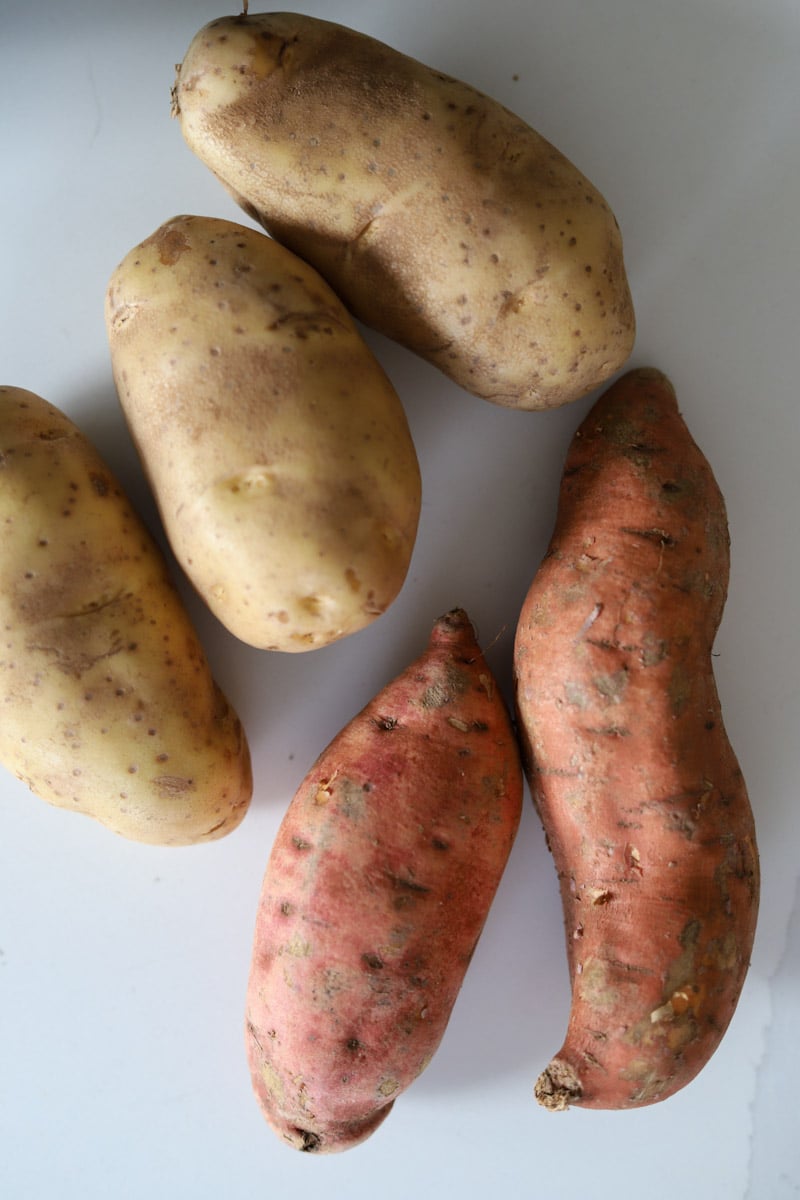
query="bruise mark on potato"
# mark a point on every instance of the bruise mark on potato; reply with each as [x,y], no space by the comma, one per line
[301,324]
[172,786]
[171,243]
[100,483]
[91,607]
[216,828]
[122,313]
[75,661]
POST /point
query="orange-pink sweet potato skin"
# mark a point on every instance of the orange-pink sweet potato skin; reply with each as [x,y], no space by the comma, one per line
[639,791]
[378,885]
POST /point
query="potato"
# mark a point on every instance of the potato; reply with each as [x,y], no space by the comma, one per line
[440,218]
[278,450]
[378,886]
[639,790]
[107,701]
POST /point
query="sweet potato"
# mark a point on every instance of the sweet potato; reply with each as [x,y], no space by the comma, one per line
[377,889]
[638,789]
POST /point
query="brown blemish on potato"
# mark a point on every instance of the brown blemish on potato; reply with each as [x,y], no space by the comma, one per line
[213,832]
[314,606]
[172,786]
[171,244]
[69,655]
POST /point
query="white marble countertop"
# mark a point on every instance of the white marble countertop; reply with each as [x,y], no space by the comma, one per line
[122,967]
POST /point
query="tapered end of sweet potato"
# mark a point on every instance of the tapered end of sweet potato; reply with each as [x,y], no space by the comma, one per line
[331,1139]
[558,1086]
[651,375]
[454,628]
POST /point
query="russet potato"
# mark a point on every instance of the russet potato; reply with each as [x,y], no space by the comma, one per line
[440,217]
[107,704]
[278,451]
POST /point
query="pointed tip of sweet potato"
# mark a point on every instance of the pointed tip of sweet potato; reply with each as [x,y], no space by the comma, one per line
[336,1138]
[453,627]
[558,1086]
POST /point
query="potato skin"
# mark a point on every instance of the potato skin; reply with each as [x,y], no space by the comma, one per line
[377,888]
[107,701]
[278,451]
[639,791]
[440,217]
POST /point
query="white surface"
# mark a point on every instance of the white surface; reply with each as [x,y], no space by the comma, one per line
[122,968]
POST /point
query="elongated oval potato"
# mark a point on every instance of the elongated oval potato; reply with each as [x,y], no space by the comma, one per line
[640,793]
[378,886]
[278,451]
[107,704]
[441,218]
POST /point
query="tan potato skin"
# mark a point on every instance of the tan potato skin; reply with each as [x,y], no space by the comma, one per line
[639,791]
[278,451]
[107,704]
[440,217]
[378,886]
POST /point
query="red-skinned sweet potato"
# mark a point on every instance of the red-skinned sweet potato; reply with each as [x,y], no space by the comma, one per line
[377,888]
[639,791]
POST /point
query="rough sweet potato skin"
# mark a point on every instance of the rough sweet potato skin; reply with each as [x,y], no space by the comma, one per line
[377,888]
[639,791]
